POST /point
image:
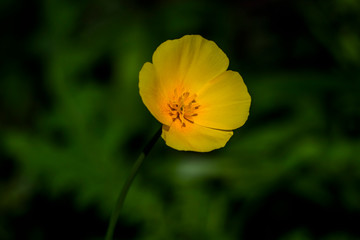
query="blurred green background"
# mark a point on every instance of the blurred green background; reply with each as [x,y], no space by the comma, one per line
[72,122]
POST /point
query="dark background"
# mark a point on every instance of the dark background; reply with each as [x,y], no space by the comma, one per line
[72,122]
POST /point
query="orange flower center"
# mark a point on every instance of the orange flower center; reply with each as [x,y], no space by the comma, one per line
[183,107]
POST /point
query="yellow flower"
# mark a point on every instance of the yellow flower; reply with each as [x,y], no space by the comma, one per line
[190,91]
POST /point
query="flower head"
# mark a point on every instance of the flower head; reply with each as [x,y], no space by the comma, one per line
[190,91]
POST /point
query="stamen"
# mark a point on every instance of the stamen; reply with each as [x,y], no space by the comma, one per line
[186,94]
[189,120]
[182,107]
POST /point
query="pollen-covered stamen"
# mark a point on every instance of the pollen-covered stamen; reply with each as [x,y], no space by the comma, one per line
[183,107]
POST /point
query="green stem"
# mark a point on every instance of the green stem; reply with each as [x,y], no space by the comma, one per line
[120,202]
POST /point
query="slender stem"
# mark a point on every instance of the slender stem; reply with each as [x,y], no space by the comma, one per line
[120,202]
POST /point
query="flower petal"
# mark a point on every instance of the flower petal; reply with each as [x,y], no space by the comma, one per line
[152,95]
[190,62]
[224,102]
[194,137]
